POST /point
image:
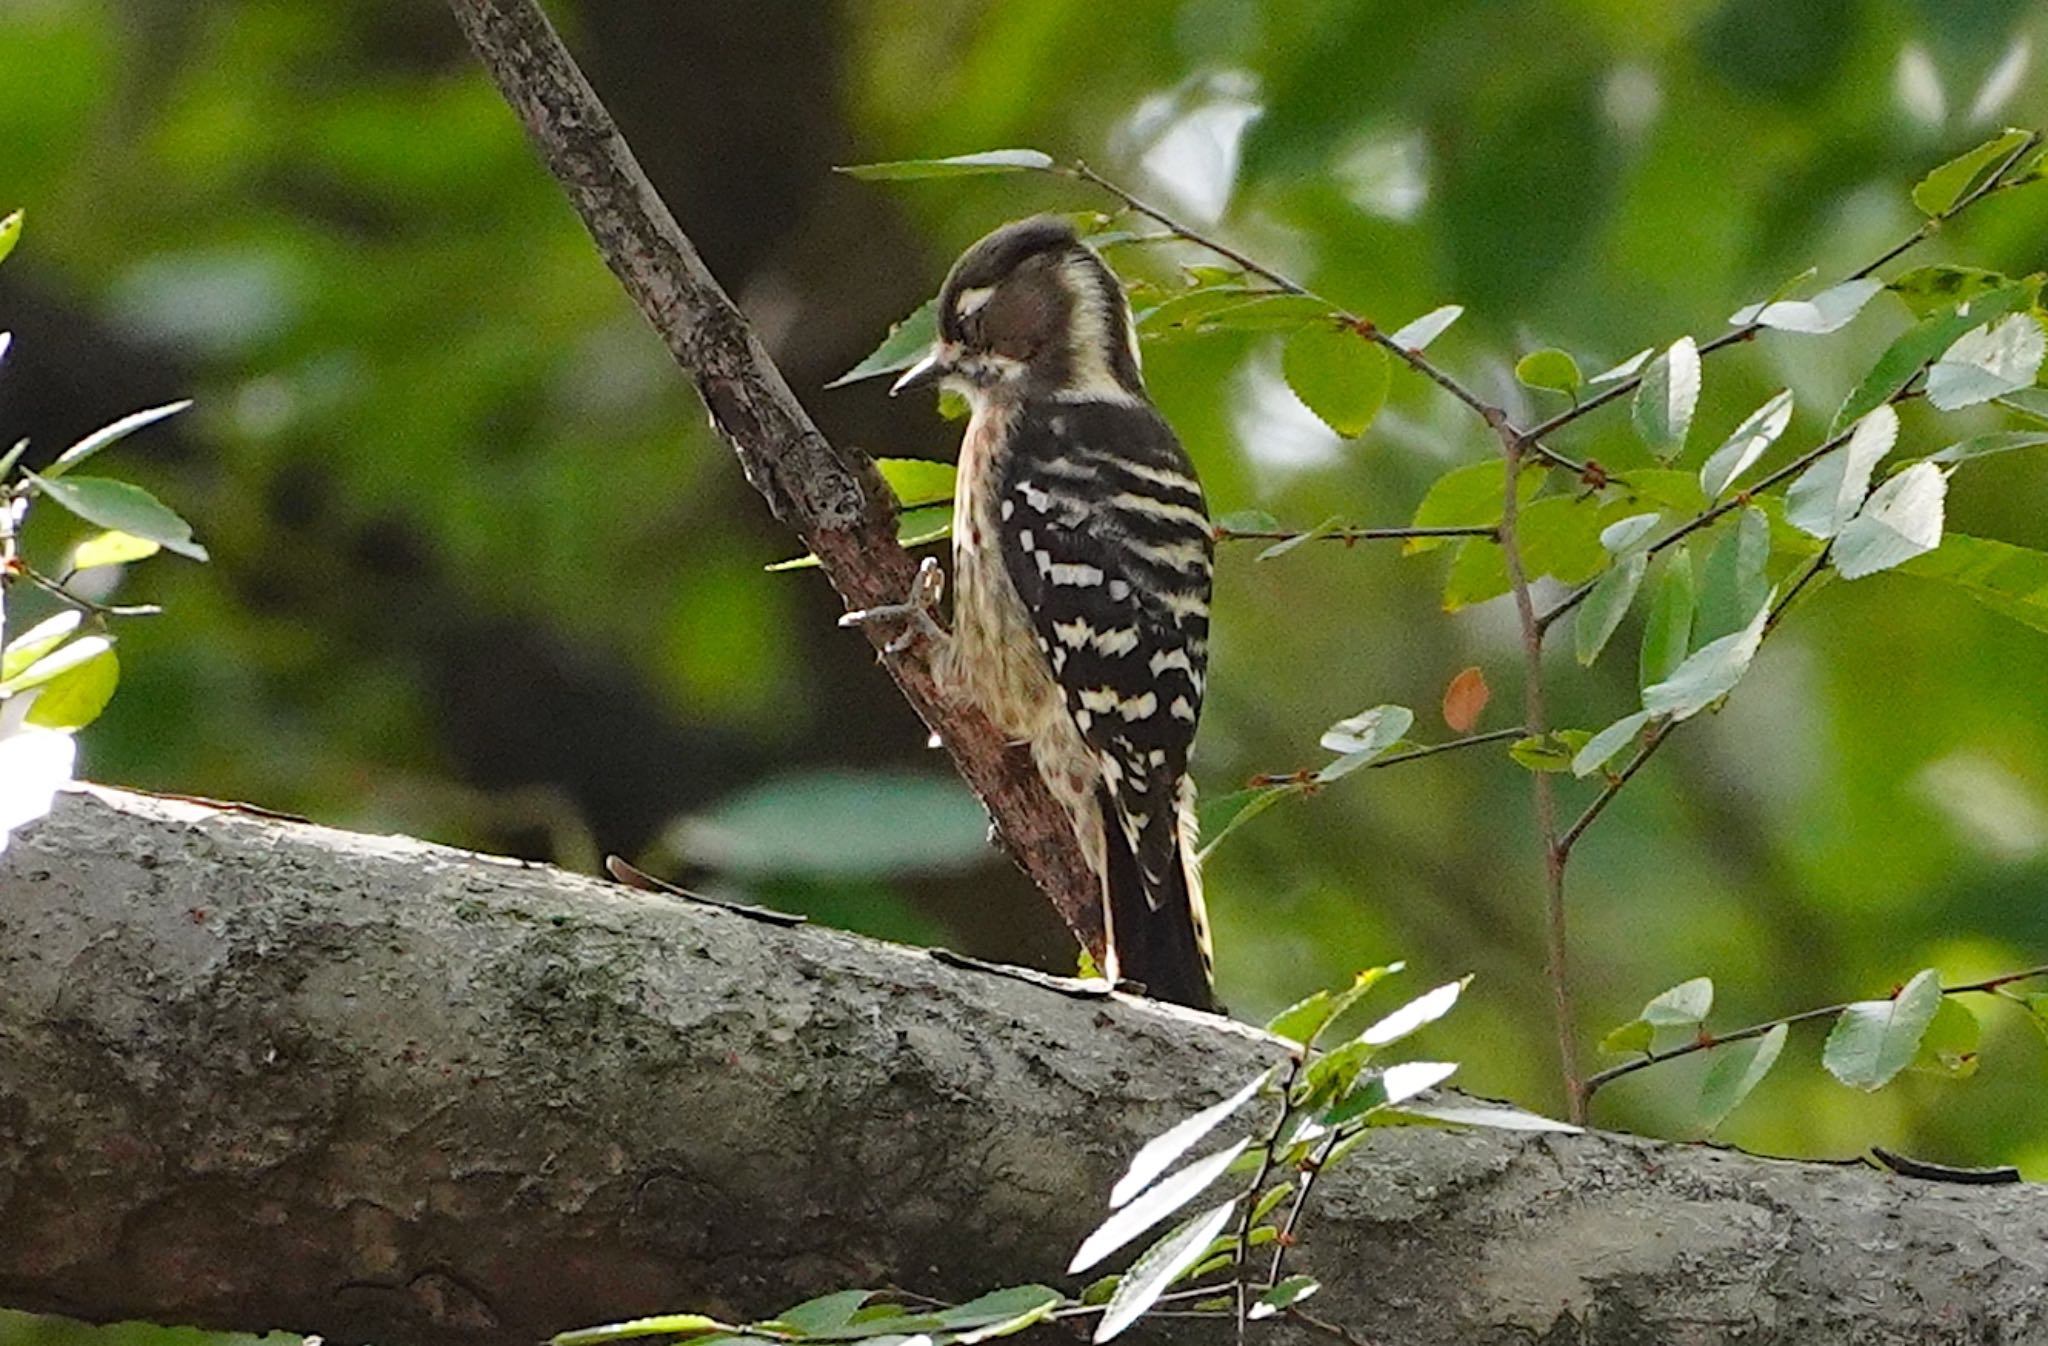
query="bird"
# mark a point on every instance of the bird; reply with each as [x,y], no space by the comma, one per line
[1082,569]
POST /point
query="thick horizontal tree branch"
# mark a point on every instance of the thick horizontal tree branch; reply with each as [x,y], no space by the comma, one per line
[259,1074]
[830,496]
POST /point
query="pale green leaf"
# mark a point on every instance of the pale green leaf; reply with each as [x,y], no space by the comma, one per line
[1155,1204]
[37,641]
[1284,1295]
[1735,1071]
[1986,446]
[661,1325]
[1667,397]
[918,481]
[1363,737]
[1550,369]
[1602,747]
[1829,311]
[1937,193]
[1603,609]
[1427,328]
[1901,520]
[1338,375]
[109,435]
[1987,362]
[958,165]
[1708,674]
[1425,1009]
[1165,1149]
[1925,342]
[111,549]
[1827,495]
[1873,1040]
[73,697]
[1746,445]
[905,345]
[56,663]
[1685,1005]
[1733,581]
[1161,1264]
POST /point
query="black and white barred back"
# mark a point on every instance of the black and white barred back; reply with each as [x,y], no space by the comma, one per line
[1106,537]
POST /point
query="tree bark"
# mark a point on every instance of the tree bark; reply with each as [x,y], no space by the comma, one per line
[255,1074]
[831,497]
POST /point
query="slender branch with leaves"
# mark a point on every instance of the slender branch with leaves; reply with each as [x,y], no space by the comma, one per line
[1537,517]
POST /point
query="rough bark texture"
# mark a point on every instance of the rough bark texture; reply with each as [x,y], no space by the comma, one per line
[832,498]
[260,1074]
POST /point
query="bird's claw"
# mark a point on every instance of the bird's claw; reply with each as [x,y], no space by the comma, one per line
[918,612]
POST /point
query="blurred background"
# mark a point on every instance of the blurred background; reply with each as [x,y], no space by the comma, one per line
[482,575]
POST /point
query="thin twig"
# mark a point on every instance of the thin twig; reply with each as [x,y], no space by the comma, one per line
[1928,228]
[1239,1285]
[1493,415]
[1224,534]
[1307,776]
[1709,1040]
[1652,741]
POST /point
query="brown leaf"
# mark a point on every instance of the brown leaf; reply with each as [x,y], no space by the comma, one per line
[1465,699]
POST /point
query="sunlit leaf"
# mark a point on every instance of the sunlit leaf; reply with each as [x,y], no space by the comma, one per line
[1901,520]
[1427,328]
[1937,193]
[1603,609]
[918,481]
[56,663]
[661,1325]
[1155,1204]
[1425,1009]
[1829,311]
[1162,1263]
[1477,1112]
[1338,375]
[1247,521]
[1667,396]
[122,507]
[1360,738]
[1873,1040]
[1631,1039]
[1667,630]
[1387,1088]
[1734,1073]
[1924,343]
[33,764]
[1625,369]
[905,345]
[1165,1149]
[111,549]
[1602,747]
[10,233]
[37,641]
[958,165]
[1746,445]
[74,696]
[1685,1005]
[110,435]
[1708,674]
[1550,369]
[1988,362]
[1828,494]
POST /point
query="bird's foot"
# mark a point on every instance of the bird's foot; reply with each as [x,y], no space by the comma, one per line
[918,613]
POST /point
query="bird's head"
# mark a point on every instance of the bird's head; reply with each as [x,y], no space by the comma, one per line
[1031,310]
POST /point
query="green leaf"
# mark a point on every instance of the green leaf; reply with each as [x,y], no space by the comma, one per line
[1937,193]
[1270,1201]
[1924,342]
[1159,1267]
[1734,582]
[1986,446]
[1746,445]
[1625,369]
[1284,1295]
[1165,1149]
[1609,602]
[2037,1009]
[122,507]
[1827,495]
[1949,1047]
[914,528]
[1667,397]
[1338,375]
[1927,290]
[1550,752]
[1559,536]
[662,1325]
[957,166]
[1098,1292]
[111,549]
[905,345]
[1247,521]
[1708,674]
[37,641]
[1829,311]
[1386,1088]
[1498,1116]
[918,481]
[1362,737]
[826,1314]
[2031,403]
[1468,497]
[1901,520]
[1006,1311]
[109,435]
[1685,1005]
[1626,535]
[1301,539]
[1550,369]
[1631,1039]
[74,697]
[1305,1020]
[1155,1204]
[1987,362]
[58,662]
[1873,1040]
[1601,747]
[10,234]
[1735,1072]
[12,456]
[1667,631]
[1237,810]
[1420,1012]
[1427,328]
[2009,580]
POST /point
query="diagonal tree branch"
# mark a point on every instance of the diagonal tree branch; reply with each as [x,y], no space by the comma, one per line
[830,496]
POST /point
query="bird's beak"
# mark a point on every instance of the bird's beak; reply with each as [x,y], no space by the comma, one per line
[926,372]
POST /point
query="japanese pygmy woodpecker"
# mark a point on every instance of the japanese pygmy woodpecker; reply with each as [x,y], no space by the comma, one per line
[1081,566]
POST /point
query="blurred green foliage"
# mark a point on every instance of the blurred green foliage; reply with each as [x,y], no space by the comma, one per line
[481,573]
